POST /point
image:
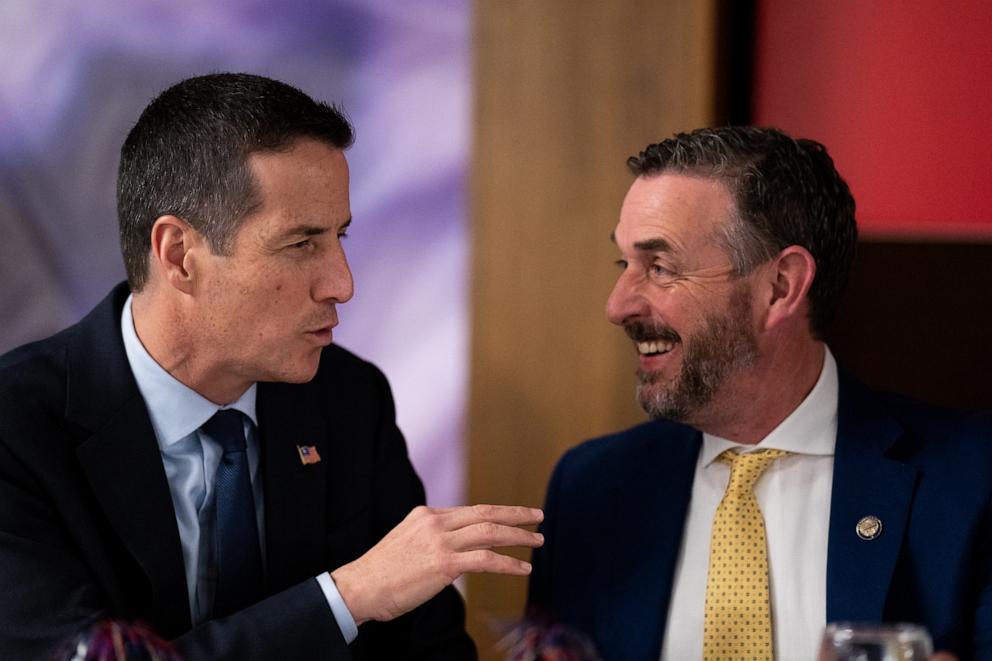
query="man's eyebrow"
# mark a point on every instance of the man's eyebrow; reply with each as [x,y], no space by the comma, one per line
[305,229]
[656,244]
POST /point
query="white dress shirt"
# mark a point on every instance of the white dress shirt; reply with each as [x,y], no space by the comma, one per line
[191,458]
[794,496]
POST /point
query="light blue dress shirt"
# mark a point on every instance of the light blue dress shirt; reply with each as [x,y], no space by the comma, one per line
[191,458]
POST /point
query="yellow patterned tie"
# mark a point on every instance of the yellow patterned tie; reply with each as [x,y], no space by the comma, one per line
[738,622]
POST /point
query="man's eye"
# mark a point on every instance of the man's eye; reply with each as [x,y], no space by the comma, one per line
[343,234]
[305,243]
[621,264]
[658,269]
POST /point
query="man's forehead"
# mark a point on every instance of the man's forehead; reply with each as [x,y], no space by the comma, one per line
[303,152]
[664,210]
[301,191]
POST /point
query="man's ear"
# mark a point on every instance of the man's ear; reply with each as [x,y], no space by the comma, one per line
[174,243]
[788,278]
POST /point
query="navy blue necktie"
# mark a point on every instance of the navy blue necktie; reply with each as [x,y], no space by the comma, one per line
[237,556]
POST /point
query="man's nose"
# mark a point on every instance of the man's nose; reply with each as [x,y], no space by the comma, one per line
[626,300]
[334,281]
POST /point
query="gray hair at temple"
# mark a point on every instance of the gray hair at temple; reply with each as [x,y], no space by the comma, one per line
[786,192]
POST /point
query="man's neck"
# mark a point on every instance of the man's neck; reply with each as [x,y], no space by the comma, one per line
[170,339]
[753,403]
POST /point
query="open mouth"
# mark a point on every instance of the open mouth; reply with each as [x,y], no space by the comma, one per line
[651,340]
[654,348]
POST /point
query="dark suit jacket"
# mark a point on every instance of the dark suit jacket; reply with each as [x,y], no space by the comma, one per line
[616,508]
[88,530]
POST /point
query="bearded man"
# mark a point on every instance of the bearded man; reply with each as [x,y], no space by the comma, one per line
[770,493]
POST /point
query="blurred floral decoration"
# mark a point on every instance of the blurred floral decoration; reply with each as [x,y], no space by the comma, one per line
[538,638]
[110,640]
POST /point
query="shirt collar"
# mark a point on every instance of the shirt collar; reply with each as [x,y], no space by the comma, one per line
[811,429]
[175,409]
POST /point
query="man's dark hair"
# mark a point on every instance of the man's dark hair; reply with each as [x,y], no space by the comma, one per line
[787,192]
[187,156]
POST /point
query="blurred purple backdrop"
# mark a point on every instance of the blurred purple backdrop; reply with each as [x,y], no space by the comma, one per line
[75,75]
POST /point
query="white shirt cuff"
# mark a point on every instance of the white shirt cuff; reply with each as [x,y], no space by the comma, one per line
[346,623]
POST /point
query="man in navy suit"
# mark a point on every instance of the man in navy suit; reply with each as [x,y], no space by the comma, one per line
[195,454]
[735,246]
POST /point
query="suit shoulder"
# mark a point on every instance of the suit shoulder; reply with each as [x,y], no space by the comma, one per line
[627,441]
[45,358]
[627,451]
[33,395]
[861,401]
[344,375]
[938,440]
[335,360]
[946,424]
[34,370]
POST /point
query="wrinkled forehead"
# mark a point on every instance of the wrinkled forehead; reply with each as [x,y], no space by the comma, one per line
[686,211]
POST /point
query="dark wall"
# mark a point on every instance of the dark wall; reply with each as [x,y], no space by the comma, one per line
[917,318]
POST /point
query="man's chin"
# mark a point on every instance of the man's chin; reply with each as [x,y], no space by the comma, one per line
[304,372]
[649,378]
[298,378]
[656,402]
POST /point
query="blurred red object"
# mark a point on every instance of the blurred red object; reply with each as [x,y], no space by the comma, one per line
[540,639]
[111,640]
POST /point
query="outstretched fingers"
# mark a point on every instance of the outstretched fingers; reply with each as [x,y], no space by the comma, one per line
[490,562]
[428,550]
[507,515]
[487,535]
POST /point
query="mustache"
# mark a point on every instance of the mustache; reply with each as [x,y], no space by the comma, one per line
[322,321]
[639,331]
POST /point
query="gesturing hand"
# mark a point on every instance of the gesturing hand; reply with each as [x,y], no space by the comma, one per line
[428,550]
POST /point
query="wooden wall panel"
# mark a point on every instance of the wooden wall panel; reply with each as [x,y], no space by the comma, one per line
[565,91]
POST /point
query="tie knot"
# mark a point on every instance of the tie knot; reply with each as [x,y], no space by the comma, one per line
[227,428]
[746,468]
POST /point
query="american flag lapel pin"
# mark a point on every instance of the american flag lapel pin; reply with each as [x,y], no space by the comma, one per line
[308,454]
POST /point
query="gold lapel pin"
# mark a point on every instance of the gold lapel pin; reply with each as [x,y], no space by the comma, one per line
[308,454]
[869,527]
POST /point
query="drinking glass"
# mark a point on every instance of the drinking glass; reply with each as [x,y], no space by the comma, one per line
[861,641]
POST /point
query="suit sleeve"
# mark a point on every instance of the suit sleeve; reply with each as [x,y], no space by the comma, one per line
[291,625]
[435,630]
[539,589]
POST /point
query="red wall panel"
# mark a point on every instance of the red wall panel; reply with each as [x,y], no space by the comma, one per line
[901,94]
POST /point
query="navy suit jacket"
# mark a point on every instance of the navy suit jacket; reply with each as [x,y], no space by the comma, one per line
[616,508]
[88,530]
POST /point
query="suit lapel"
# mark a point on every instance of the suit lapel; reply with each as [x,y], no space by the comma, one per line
[644,555]
[866,483]
[121,459]
[295,493]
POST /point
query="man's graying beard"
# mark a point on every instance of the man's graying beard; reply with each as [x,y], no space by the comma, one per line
[725,344]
